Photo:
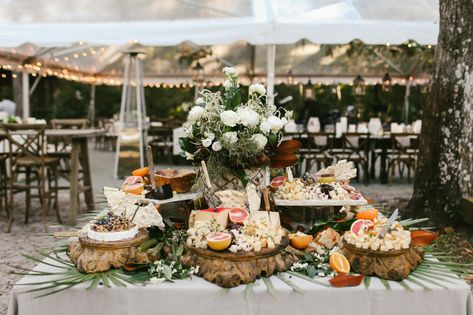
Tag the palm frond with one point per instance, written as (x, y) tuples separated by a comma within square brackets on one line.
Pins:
[(403, 284), (367, 281), (249, 290), (419, 283), (288, 282), (269, 285), (307, 278), (386, 283)]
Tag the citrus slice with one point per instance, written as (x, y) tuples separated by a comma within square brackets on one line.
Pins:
[(238, 215), (370, 214), (134, 188), (219, 241), (133, 180), (359, 225), (142, 172), (339, 263), (300, 240), (278, 181)]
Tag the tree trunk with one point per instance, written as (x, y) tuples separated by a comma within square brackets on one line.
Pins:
[(445, 167)]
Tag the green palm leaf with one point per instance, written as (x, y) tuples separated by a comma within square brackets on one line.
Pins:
[(249, 290), (403, 284), (367, 281), (427, 279), (269, 286), (307, 278), (420, 284), (289, 283), (386, 283)]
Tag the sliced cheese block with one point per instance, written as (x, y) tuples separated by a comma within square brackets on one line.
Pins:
[(275, 221), (221, 218)]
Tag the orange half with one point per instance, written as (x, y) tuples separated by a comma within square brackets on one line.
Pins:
[(339, 263)]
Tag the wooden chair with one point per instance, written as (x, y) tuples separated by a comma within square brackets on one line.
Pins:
[(355, 148), (320, 144), (402, 155), (27, 156)]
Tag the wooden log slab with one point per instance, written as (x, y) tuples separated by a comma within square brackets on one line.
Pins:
[(392, 265), (229, 270), (92, 256)]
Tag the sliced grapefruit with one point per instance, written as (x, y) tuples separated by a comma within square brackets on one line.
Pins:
[(300, 240), (277, 181), (339, 263), (359, 225), (219, 241), (142, 172), (238, 215), (370, 214), (133, 180), (136, 189)]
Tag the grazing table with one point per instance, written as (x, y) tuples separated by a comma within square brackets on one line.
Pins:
[(198, 296)]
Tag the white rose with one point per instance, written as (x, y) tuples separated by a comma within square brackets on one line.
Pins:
[(195, 113), (265, 127), (248, 117), (207, 142), (229, 118), (230, 71), (189, 156), (227, 84), (257, 88), (217, 146), (260, 140), (276, 123), (230, 137), (199, 101), (284, 120)]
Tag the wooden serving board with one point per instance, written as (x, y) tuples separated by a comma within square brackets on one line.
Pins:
[(320, 203), (228, 269), (391, 265)]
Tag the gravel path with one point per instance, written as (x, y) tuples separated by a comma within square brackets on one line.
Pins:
[(24, 238)]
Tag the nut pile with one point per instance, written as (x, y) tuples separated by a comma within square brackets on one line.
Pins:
[(111, 223)]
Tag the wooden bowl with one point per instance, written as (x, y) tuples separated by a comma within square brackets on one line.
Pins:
[(180, 180)]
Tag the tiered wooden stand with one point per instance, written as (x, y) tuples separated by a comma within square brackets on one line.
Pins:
[(228, 269), (94, 256), (393, 265)]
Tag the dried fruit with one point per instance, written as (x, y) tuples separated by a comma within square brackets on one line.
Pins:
[(341, 281)]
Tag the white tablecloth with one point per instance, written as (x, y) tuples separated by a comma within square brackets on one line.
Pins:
[(197, 296)]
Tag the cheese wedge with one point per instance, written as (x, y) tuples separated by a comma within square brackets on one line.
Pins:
[(221, 218), (275, 221)]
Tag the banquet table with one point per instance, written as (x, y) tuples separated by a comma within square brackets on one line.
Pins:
[(196, 296), (78, 138)]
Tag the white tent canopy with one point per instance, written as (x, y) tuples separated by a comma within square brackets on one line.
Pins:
[(56, 23)]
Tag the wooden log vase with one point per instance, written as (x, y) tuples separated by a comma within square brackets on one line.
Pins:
[(229, 270), (92, 256), (392, 265)]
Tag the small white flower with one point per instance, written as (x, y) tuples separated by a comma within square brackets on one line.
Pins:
[(199, 101), (227, 84), (207, 142), (257, 88), (230, 72), (229, 118), (276, 123), (260, 140), (217, 146), (265, 127), (189, 156), (230, 137), (209, 135), (248, 117), (195, 113), (189, 131)]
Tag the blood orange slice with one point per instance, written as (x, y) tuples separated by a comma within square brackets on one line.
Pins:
[(278, 181), (219, 240), (238, 215), (359, 225)]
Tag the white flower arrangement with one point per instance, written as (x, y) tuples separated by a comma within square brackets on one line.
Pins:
[(243, 134)]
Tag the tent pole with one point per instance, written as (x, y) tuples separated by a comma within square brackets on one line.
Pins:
[(271, 64), (25, 95), (92, 105)]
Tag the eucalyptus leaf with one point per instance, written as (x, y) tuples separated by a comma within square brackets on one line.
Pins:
[(367, 281)]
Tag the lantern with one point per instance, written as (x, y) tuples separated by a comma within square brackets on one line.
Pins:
[(359, 88), (309, 90), (386, 85)]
